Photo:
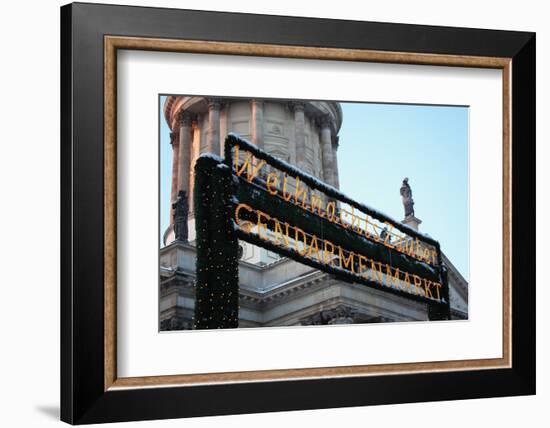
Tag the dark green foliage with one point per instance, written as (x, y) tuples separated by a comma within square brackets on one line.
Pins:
[(217, 287), (441, 311)]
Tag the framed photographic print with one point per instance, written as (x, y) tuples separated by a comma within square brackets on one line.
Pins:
[(265, 213)]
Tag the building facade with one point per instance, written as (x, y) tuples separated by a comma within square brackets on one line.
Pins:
[(274, 290)]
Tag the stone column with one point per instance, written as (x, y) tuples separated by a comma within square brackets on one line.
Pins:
[(335, 145), (184, 151), (326, 147), (194, 154), (257, 114), (213, 133), (174, 141), (299, 133)]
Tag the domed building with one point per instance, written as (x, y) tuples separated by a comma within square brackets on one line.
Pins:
[(274, 290)]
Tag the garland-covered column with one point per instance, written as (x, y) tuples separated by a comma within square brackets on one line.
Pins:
[(441, 311), (217, 268)]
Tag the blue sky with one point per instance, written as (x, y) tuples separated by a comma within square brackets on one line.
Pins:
[(380, 144)]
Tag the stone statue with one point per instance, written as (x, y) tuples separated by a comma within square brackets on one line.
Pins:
[(385, 235), (406, 196), (181, 212)]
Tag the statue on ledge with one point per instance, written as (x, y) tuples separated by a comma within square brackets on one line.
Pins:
[(181, 212), (406, 196)]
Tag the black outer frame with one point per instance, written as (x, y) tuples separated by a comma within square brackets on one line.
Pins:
[(83, 399)]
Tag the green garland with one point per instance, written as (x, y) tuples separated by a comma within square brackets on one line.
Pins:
[(217, 287)]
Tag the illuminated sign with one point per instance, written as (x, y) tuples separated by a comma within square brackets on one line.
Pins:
[(279, 207)]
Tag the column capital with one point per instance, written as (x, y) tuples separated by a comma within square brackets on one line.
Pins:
[(257, 102), (213, 103), (296, 105), (324, 121), (185, 118)]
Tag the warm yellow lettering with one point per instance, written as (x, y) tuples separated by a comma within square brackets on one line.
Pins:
[(330, 209), (417, 284), (316, 202), (389, 233), (437, 288), (325, 251), (298, 231), (398, 244), (409, 247), (300, 192), (428, 288), (376, 270), (407, 281), (365, 231), (346, 263), (392, 280), (262, 225), (313, 246), (344, 224), (355, 222), (362, 266), (251, 172), (279, 233), (426, 255), (245, 225), (286, 195), (271, 183)]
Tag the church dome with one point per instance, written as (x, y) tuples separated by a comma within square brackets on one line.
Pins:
[(277, 126), (302, 133)]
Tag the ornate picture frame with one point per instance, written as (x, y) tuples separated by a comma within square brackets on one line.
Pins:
[(91, 390)]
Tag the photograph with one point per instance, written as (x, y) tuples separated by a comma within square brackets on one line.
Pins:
[(293, 212), (269, 213)]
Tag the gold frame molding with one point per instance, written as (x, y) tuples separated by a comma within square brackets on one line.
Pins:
[(113, 43)]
